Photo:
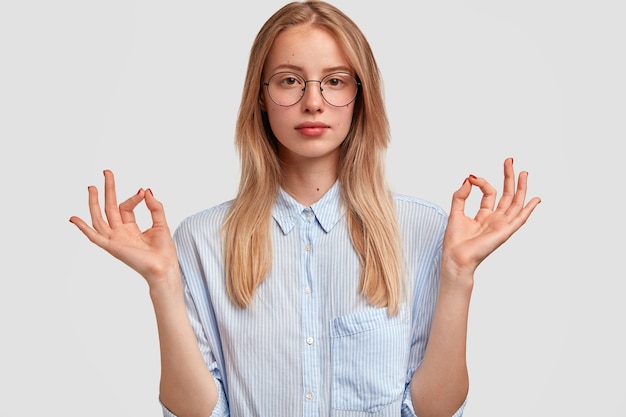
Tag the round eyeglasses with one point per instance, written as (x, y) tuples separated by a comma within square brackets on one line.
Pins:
[(287, 88)]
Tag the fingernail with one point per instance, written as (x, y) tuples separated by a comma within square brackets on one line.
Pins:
[(512, 160), (138, 191), (150, 191), (464, 181), (473, 176)]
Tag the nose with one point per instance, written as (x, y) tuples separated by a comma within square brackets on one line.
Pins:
[(312, 99)]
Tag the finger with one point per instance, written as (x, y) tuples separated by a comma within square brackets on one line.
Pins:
[(94, 210), (156, 210), (520, 194), (127, 213), (508, 192), (110, 200), (518, 211), (525, 212), (488, 200), (91, 234), (460, 197)]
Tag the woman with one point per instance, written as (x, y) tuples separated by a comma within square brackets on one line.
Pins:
[(316, 291)]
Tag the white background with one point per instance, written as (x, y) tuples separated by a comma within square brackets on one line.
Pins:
[(150, 89)]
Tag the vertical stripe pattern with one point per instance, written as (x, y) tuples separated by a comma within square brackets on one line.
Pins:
[(310, 344)]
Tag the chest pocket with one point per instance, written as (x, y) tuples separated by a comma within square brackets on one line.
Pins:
[(369, 356)]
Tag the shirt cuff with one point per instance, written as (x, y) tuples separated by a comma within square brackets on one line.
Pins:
[(221, 408), (408, 411)]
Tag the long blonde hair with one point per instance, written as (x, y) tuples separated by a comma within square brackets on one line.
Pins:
[(370, 212)]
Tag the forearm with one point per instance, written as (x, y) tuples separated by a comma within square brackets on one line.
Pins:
[(440, 384), (187, 387)]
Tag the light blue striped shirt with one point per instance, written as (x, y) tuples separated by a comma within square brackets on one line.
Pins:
[(311, 345)]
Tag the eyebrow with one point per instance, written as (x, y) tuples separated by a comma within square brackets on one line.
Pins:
[(297, 68)]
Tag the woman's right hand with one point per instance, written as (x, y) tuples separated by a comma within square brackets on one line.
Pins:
[(151, 253)]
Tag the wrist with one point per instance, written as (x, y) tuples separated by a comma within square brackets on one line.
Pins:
[(454, 278), (166, 287)]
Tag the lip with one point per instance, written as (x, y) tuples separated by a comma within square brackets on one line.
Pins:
[(312, 128)]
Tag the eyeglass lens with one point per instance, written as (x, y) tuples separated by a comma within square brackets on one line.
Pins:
[(287, 88)]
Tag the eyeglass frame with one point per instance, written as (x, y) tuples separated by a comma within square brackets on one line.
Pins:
[(356, 80)]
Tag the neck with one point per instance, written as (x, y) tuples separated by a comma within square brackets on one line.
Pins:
[(307, 183)]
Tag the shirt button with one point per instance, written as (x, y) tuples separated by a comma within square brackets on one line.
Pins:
[(307, 290), (309, 395), (309, 340), (307, 248)]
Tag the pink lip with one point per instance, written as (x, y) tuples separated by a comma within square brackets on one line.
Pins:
[(311, 128)]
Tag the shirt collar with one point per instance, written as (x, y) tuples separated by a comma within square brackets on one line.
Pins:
[(327, 210)]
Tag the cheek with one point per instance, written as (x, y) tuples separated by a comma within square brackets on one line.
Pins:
[(275, 114), (278, 119), (345, 120)]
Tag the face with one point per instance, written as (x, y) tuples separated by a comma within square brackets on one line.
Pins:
[(311, 130)]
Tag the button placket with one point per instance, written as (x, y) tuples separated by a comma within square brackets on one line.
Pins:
[(310, 351)]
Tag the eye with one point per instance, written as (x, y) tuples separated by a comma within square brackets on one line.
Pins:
[(336, 81), (288, 80)]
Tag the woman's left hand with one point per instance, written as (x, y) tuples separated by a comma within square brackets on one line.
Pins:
[(468, 241)]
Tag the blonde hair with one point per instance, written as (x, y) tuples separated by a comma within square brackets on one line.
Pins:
[(370, 212)]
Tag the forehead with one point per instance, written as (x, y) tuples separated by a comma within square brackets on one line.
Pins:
[(309, 49)]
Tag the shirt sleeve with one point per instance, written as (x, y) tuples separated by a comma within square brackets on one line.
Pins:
[(221, 408), (421, 331), (407, 408), (426, 289)]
